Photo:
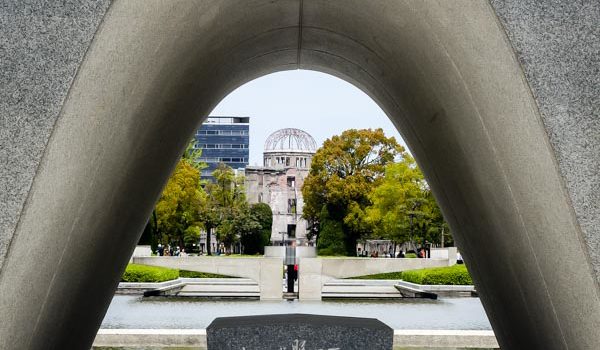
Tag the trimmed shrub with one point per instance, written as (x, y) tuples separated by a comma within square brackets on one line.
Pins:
[(195, 274), (142, 273), (450, 275), (380, 276)]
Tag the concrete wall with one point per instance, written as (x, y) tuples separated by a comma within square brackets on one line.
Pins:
[(353, 267), (267, 272), (301, 251), (313, 273), (445, 253), (141, 251), (497, 101)]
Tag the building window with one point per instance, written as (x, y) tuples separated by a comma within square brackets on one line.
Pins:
[(260, 197), (291, 230), (223, 132), (291, 181), (292, 206), (287, 161)]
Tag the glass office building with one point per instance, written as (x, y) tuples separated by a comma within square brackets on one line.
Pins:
[(224, 140)]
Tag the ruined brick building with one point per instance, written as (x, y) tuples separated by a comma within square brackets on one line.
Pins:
[(286, 161)]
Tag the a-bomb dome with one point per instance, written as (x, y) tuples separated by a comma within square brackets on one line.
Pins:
[(290, 139)]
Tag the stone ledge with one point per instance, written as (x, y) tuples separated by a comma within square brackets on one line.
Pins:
[(405, 338)]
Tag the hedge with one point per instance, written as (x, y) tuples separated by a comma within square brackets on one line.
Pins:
[(195, 274), (450, 275), (380, 276), (142, 273)]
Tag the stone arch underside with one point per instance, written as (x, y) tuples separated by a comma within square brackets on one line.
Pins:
[(444, 72)]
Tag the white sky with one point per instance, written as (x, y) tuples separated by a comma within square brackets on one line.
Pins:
[(317, 103)]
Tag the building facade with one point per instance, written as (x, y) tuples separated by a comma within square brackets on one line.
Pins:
[(223, 139), (286, 162)]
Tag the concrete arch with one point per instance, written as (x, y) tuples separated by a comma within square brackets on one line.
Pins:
[(446, 74)]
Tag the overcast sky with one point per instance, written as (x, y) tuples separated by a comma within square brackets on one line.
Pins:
[(317, 103)]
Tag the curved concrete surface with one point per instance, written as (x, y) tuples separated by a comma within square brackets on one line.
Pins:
[(445, 73)]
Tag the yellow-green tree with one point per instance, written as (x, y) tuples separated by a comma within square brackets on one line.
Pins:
[(178, 206), (343, 173), (395, 200), (403, 208)]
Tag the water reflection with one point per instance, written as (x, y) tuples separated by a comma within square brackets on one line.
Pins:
[(450, 313)]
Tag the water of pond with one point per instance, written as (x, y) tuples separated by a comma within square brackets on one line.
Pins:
[(171, 348), (445, 313)]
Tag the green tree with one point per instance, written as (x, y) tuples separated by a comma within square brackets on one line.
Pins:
[(226, 203), (331, 235), (255, 238), (403, 208), (342, 175), (395, 200), (177, 208), (431, 225), (191, 235)]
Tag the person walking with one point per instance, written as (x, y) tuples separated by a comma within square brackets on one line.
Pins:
[(160, 250)]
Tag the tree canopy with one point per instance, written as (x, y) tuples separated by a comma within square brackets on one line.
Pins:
[(394, 200), (403, 208), (343, 173), (177, 208), (226, 208), (255, 237)]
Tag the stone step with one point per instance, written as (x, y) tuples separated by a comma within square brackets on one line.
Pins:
[(362, 295), (410, 292), (219, 295), (359, 289), (218, 288), (219, 281)]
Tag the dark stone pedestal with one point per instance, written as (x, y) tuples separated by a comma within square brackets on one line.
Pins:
[(298, 332)]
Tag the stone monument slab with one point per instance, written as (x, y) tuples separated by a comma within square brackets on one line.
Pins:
[(298, 332)]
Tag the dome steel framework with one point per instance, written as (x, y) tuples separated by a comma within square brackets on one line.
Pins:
[(290, 139)]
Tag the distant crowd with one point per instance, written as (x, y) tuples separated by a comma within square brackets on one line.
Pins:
[(170, 251)]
